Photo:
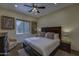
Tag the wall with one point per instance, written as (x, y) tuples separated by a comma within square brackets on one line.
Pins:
[(68, 18), (11, 33)]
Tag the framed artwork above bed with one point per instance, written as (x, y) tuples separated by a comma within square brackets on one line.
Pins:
[(7, 23)]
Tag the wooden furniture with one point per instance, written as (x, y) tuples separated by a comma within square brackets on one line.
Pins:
[(52, 29), (32, 52), (55, 30), (3, 44), (65, 46)]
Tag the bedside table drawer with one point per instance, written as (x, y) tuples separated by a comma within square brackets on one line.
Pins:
[(65, 47)]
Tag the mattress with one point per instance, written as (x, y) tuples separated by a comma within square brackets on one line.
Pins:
[(43, 45)]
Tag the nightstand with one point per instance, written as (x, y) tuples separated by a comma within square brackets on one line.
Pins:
[(65, 45)]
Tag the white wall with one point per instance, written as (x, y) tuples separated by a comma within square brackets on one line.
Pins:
[(11, 33), (68, 18)]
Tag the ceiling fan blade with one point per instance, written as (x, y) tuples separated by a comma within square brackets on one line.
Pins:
[(30, 10), (41, 7), (28, 6), (38, 11)]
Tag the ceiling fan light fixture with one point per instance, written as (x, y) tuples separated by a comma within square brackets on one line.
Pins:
[(16, 5), (34, 10)]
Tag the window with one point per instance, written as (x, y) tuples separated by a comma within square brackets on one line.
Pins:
[(22, 27)]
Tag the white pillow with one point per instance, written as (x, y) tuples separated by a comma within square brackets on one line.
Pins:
[(49, 35), (56, 36)]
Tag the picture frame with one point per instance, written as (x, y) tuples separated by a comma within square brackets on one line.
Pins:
[(7, 23)]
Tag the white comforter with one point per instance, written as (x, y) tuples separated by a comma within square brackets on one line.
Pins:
[(43, 45)]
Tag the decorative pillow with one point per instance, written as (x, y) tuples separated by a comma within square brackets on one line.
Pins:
[(49, 35)]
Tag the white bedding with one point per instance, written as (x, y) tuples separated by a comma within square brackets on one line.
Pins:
[(43, 45)]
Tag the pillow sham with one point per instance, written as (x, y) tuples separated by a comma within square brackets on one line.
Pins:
[(56, 36), (49, 35)]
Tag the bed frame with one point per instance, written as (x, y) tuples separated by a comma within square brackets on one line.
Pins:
[(52, 29), (33, 52)]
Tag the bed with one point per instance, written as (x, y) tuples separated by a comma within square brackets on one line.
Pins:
[(42, 45)]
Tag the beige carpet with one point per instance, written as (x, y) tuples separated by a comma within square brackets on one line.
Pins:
[(63, 53), (14, 51), (58, 53), (22, 52), (19, 51)]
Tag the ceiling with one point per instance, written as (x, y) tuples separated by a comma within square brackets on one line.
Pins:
[(50, 7)]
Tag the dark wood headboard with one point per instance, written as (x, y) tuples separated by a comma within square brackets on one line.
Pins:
[(52, 29)]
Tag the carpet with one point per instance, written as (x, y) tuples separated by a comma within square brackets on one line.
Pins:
[(22, 52)]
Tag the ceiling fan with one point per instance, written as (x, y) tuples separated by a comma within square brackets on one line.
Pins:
[(35, 8)]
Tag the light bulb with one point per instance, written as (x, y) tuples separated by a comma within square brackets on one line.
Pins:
[(16, 5), (34, 9)]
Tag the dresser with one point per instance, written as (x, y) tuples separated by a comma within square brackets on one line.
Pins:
[(3, 44)]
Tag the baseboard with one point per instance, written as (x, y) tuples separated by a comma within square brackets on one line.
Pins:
[(75, 52)]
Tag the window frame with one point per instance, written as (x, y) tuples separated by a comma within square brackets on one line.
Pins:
[(24, 25)]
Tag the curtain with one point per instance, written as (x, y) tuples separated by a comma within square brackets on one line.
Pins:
[(33, 27)]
